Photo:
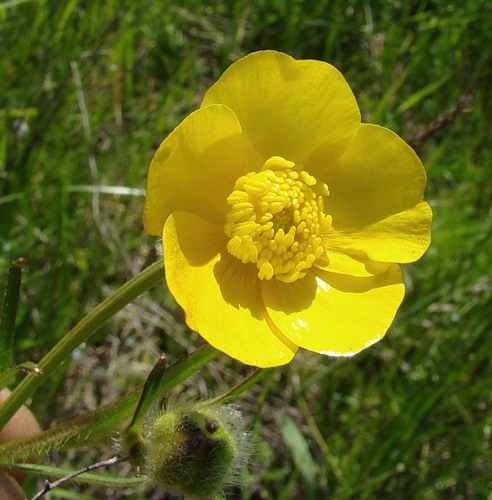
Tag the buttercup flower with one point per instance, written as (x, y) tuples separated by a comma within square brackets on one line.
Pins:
[(283, 217)]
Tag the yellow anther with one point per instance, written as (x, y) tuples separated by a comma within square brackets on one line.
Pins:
[(277, 163), (266, 271)]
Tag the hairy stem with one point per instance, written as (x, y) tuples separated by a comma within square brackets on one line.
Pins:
[(79, 334), (104, 423)]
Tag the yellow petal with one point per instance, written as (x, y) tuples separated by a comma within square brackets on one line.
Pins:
[(195, 168), (334, 314), (219, 294), (402, 237), (287, 107), (354, 266), (376, 191)]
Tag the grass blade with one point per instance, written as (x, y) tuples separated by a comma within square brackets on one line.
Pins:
[(299, 449), (9, 312)]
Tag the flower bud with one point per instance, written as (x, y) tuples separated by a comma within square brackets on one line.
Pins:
[(194, 450)]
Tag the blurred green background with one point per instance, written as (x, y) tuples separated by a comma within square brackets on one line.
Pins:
[(89, 89)]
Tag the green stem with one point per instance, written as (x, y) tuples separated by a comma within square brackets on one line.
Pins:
[(104, 423), (88, 478), (255, 376), (79, 334)]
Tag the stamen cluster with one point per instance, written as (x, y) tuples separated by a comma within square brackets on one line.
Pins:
[(277, 220)]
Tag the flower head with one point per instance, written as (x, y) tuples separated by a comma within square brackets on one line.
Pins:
[(283, 217)]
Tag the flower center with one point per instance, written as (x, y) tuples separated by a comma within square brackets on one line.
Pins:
[(276, 220)]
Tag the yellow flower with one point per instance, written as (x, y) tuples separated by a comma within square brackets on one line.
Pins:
[(283, 217)]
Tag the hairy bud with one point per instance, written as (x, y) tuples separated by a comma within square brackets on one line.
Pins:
[(195, 449)]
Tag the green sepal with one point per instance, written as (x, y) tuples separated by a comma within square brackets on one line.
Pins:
[(133, 444)]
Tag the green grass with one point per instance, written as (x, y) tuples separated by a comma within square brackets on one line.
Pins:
[(408, 418)]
